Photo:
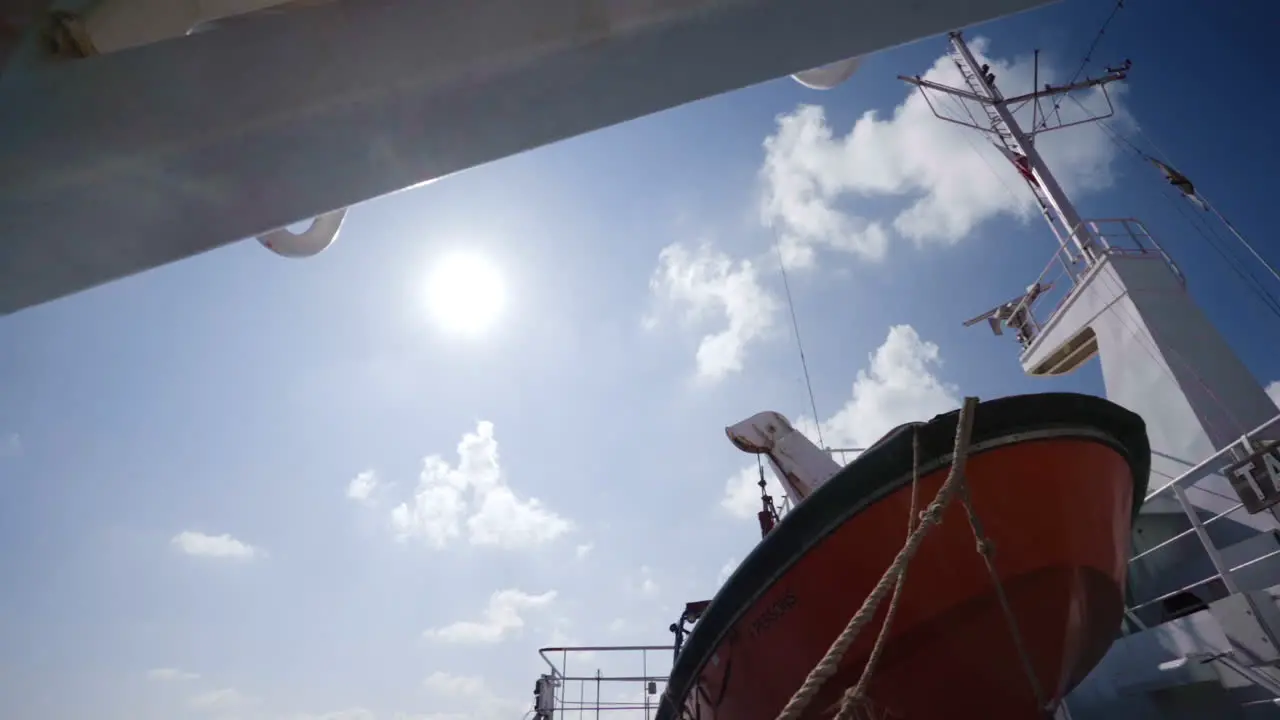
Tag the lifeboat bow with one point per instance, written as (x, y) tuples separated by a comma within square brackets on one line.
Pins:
[(1052, 482)]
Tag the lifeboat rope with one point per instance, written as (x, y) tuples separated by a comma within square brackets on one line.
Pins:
[(854, 697), (987, 550), (828, 665)]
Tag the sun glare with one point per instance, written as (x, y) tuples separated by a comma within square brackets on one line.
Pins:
[(465, 293)]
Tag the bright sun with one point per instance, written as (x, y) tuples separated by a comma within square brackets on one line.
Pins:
[(465, 293)]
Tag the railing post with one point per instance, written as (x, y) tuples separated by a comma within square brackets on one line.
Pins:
[(1224, 571)]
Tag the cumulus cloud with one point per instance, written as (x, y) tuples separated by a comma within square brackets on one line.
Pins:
[(725, 571), (648, 585), (450, 685), (702, 284), (214, 546), (951, 178), (898, 385), (502, 617), (362, 486), (222, 702), (474, 497), (170, 675), (742, 491)]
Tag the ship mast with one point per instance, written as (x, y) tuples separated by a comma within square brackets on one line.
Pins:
[(1124, 300), (1076, 241)]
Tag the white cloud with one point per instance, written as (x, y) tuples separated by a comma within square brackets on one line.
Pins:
[(725, 571), (813, 177), (348, 714), (170, 675), (705, 282), (486, 706), (648, 585), (225, 700), (502, 617), (10, 445), (218, 546), (1273, 390), (474, 495), (450, 685), (897, 386), (583, 550), (362, 486), (742, 491)]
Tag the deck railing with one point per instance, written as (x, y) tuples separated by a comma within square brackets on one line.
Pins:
[(1067, 268), (1244, 446), (618, 680)]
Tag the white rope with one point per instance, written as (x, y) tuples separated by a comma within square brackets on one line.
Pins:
[(854, 696), (835, 654)]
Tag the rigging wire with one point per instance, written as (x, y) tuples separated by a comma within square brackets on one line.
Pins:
[(795, 326), (1205, 230), (1088, 56), (1213, 240), (1167, 162), (1133, 330), (1239, 236)]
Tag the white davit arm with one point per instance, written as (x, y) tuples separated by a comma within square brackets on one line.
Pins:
[(801, 466)]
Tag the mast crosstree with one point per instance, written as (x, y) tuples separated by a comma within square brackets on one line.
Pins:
[(1075, 238), (1124, 300)]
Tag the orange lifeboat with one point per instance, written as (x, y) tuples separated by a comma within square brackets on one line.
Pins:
[(1053, 479)]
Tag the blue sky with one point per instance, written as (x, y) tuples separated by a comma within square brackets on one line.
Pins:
[(177, 449)]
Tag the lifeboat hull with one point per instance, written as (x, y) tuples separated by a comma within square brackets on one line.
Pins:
[(1053, 479)]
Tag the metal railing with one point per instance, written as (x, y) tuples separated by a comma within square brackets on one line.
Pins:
[(612, 679), (1214, 464), (1105, 237)]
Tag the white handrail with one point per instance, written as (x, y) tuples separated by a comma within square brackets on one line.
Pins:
[(1214, 463)]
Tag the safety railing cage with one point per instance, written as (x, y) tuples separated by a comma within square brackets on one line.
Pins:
[(606, 682)]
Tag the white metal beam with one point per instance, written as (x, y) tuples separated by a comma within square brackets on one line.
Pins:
[(122, 162)]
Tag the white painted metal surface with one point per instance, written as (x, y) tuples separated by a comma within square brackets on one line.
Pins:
[(829, 76), (114, 25), (800, 465), (163, 151), (1163, 359), (318, 236), (1017, 141)]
